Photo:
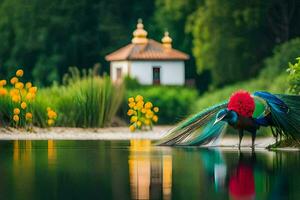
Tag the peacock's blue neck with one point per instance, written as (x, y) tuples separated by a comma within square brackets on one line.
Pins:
[(233, 119)]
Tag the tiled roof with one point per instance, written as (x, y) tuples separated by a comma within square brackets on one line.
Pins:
[(152, 50)]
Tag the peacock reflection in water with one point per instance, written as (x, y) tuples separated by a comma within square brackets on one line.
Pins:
[(157, 174), (140, 170), (248, 178)]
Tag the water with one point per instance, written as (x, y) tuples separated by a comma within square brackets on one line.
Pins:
[(137, 170)]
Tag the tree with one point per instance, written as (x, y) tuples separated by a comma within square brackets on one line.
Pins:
[(46, 37), (231, 38), (228, 37)]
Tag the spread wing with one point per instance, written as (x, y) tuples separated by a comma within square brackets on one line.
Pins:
[(284, 113), (196, 130)]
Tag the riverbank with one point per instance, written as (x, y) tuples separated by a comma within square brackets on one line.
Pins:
[(121, 133), (61, 133)]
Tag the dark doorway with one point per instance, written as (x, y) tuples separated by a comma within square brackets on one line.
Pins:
[(156, 75)]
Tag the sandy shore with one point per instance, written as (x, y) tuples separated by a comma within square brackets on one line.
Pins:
[(117, 133), (58, 133)]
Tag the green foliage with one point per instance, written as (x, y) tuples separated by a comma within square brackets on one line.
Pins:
[(6, 110), (282, 54), (276, 85), (175, 103), (232, 38), (46, 37), (131, 83), (228, 39), (294, 77), (84, 101), (224, 33)]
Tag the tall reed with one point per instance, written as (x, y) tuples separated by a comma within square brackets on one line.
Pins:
[(85, 99)]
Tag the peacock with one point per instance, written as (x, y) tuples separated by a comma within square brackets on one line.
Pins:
[(244, 112)]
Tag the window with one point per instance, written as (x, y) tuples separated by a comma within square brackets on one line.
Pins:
[(156, 75), (119, 74)]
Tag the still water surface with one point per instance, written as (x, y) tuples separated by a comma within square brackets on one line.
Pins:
[(136, 170)]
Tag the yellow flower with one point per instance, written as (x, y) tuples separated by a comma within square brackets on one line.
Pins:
[(147, 122), (143, 110), (33, 89), (28, 85), (131, 105), (19, 73), (131, 99), (3, 91), (140, 105), (16, 118), (156, 109), (14, 80), (19, 85), (130, 112), (50, 122), (16, 98), (23, 105), (52, 114), (133, 119), (139, 98), (14, 92), (28, 116), (132, 128), (2, 83), (139, 123), (30, 96), (16, 111), (148, 105), (149, 114), (23, 92), (155, 118)]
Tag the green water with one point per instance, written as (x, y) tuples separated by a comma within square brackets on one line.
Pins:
[(136, 170)]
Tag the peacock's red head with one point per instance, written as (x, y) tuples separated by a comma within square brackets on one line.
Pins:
[(242, 102)]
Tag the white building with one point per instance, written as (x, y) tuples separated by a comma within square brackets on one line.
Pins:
[(149, 61)]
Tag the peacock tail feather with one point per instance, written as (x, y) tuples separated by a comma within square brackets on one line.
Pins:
[(196, 130), (280, 112), (285, 112)]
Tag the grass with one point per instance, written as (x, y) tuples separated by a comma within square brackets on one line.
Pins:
[(91, 101)]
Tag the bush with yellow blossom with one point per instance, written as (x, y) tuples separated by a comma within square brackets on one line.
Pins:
[(51, 114), (21, 98), (142, 114)]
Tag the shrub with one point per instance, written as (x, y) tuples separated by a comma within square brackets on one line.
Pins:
[(85, 100), (175, 103), (17, 100), (142, 115), (279, 85), (294, 77), (282, 54)]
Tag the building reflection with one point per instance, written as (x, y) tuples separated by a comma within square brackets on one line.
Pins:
[(51, 153), (150, 173)]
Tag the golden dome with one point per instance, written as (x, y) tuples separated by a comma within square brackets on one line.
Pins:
[(139, 35), (167, 40)]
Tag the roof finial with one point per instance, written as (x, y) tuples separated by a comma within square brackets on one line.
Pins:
[(167, 40), (139, 35)]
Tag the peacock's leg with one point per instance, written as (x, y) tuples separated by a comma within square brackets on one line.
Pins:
[(241, 134), (253, 138)]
